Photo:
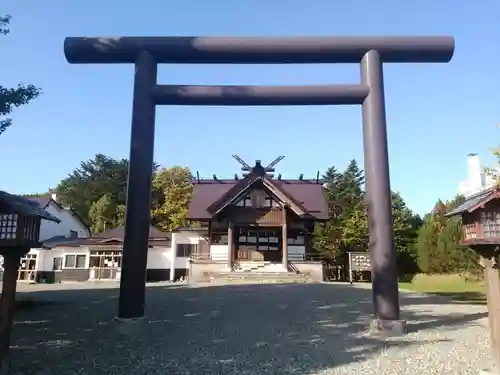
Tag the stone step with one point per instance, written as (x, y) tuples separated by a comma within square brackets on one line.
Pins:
[(256, 277), (223, 281), (256, 274), (249, 263)]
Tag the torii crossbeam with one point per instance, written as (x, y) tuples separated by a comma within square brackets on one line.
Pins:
[(371, 52)]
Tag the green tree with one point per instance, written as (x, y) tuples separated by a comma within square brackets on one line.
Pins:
[(438, 248), (354, 219), (352, 183), (347, 229), (354, 225), (172, 188), (327, 240), (427, 246), (431, 259), (333, 180), (95, 178), (4, 24), (455, 202), (327, 237), (11, 98), (495, 171), (405, 228), (106, 214)]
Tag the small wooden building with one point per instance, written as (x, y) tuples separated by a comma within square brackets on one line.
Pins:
[(20, 221), (480, 218), (481, 231)]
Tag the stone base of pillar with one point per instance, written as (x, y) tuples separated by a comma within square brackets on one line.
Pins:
[(387, 327), (132, 326)]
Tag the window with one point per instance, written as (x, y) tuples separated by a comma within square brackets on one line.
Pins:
[(267, 202), (185, 250), (57, 263), (8, 226), (75, 261), (491, 224), (244, 202), (261, 239), (105, 259)]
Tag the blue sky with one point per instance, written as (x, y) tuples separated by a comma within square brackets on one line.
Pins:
[(436, 113)]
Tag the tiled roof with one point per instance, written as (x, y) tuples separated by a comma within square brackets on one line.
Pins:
[(119, 233), (308, 193), (25, 206), (43, 201), (56, 240), (156, 237), (472, 201)]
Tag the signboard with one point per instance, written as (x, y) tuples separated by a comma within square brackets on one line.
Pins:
[(358, 262)]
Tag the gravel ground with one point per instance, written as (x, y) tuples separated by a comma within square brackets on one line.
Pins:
[(243, 329)]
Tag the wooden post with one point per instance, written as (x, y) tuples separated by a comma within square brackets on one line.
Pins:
[(284, 237), (173, 256), (209, 235), (8, 300), (492, 280), (350, 268), (230, 246), (307, 243)]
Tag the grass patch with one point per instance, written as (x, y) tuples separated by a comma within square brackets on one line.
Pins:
[(454, 286)]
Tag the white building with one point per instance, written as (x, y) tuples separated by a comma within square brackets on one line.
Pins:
[(70, 253), (70, 227), (99, 258), (477, 180)]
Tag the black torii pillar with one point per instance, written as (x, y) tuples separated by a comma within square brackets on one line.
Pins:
[(370, 52)]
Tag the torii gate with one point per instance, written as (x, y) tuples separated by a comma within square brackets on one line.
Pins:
[(371, 52)]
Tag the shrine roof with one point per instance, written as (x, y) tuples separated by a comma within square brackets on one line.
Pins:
[(474, 201), (24, 206)]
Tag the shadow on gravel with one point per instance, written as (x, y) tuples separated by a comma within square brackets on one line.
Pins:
[(468, 298), (239, 329)]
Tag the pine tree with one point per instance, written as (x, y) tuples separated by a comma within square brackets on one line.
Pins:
[(347, 229), (405, 229), (427, 246), (439, 250)]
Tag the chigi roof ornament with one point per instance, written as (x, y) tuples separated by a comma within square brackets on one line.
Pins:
[(269, 170)]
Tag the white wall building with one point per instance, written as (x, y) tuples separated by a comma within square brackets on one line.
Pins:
[(477, 180), (99, 258), (70, 227)]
